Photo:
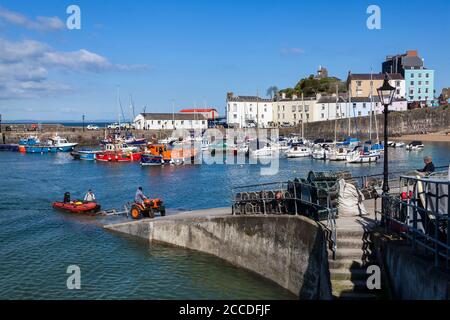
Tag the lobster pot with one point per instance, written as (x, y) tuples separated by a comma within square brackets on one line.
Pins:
[(324, 185)]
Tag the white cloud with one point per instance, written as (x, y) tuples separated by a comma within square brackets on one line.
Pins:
[(292, 51), (39, 24), (25, 65)]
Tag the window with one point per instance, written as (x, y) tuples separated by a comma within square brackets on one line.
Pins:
[(364, 105), (412, 83), (294, 108), (323, 115), (283, 108), (235, 116), (427, 75), (411, 91), (262, 116), (419, 90), (235, 107), (426, 90), (427, 82), (412, 75), (203, 122), (295, 116), (354, 105), (398, 91), (420, 75), (397, 83), (265, 109), (250, 110), (358, 83), (420, 83), (323, 107), (159, 122), (182, 122)]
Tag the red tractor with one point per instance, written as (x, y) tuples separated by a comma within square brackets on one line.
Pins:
[(147, 209)]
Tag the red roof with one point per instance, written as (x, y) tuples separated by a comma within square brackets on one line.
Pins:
[(198, 110)]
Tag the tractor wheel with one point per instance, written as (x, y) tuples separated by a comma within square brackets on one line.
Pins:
[(151, 213), (135, 212)]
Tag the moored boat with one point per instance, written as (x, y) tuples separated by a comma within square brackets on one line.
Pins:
[(415, 145), (88, 155), (297, 150), (56, 143), (77, 206), (362, 155), (115, 153)]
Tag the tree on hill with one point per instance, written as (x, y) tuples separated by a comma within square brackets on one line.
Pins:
[(272, 91), (311, 86)]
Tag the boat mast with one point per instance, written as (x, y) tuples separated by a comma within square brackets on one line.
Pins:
[(349, 110), (335, 116), (303, 117), (118, 106), (371, 104)]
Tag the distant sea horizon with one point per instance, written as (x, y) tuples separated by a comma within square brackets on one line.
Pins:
[(100, 123)]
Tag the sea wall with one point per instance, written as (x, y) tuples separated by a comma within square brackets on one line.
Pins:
[(400, 123), (410, 275), (289, 250)]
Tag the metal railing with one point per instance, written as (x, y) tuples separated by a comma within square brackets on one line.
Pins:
[(421, 213), (292, 197)]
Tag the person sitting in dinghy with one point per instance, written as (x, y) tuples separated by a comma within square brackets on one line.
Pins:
[(89, 197), (139, 197)]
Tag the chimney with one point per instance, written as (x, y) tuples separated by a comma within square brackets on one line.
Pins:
[(412, 53), (229, 95), (283, 95)]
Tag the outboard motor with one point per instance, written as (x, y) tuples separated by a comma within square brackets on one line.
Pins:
[(67, 197)]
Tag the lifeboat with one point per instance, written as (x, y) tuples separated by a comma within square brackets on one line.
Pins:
[(77, 206)]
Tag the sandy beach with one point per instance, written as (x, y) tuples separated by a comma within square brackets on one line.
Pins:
[(435, 137)]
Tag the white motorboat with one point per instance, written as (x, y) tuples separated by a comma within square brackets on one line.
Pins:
[(321, 152), (361, 155), (415, 145), (298, 150), (61, 144), (398, 145), (338, 154), (266, 151)]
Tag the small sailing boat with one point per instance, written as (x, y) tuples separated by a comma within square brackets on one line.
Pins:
[(298, 150)]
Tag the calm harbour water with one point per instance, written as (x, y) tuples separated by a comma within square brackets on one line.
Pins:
[(37, 243)]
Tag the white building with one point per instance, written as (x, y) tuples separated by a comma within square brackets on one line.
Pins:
[(327, 108), (170, 121), (247, 111)]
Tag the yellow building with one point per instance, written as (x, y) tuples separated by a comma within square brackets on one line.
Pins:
[(363, 84)]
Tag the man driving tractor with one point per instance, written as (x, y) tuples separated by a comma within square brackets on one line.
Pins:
[(144, 207), (139, 197)]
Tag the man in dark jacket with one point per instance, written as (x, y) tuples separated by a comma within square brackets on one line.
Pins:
[(429, 166)]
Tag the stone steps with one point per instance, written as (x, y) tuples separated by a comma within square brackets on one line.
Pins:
[(348, 274), (348, 271)]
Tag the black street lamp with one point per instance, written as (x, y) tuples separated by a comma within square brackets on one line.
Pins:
[(386, 95), (83, 121)]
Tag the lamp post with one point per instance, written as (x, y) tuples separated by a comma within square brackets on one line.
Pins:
[(386, 95), (83, 116)]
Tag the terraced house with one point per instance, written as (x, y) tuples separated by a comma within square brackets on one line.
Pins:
[(419, 81), (249, 111), (292, 111)]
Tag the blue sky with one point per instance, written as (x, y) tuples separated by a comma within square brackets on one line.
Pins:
[(194, 51)]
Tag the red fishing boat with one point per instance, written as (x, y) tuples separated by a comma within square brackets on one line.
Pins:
[(77, 206), (118, 153)]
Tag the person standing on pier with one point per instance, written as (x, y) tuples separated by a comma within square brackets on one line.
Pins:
[(429, 166)]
